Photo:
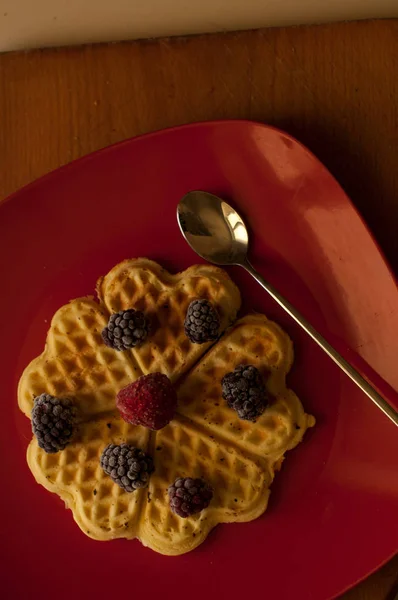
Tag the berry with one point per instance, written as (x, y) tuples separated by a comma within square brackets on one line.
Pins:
[(52, 422), (189, 496), (128, 466), (150, 401), (201, 322), (244, 391), (125, 329)]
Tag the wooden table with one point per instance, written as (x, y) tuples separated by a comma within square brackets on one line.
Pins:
[(334, 87)]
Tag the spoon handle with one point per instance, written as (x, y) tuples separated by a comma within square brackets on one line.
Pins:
[(345, 366)]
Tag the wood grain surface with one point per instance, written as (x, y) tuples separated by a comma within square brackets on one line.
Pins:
[(334, 87)]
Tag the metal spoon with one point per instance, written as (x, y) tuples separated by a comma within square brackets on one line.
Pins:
[(216, 232)]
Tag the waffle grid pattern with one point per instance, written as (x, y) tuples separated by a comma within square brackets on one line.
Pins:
[(76, 363), (101, 508), (164, 299)]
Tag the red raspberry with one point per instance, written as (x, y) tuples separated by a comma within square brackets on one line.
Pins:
[(150, 401)]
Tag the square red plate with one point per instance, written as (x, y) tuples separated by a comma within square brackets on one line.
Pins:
[(332, 518)]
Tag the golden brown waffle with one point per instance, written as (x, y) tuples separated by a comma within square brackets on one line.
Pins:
[(257, 341), (101, 508), (205, 439), (76, 362), (240, 482), (164, 299)]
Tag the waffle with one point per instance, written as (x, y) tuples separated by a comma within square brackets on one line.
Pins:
[(206, 439), (240, 483), (164, 299), (102, 509), (257, 341), (76, 362)]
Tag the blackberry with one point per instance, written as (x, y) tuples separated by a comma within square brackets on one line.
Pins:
[(189, 496), (52, 422), (125, 329), (244, 391), (201, 322), (128, 466)]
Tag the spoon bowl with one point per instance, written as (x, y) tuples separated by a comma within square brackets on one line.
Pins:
[(213, 228)]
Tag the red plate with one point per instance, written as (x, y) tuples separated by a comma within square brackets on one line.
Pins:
[(332, 518)]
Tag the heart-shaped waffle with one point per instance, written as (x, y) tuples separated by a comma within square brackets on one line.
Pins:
[(101, 508), (206, 439), (164, 299), (76, 363), (257, 341)]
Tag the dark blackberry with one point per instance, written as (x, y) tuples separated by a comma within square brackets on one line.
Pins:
[(128, 466), (244, 391), (125, 329), (201, 322), (189, 496), (52, 422)]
